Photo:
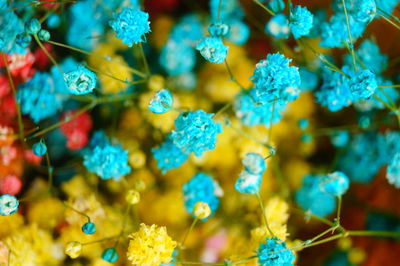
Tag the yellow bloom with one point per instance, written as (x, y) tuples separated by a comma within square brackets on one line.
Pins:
[(150, 246), (46, 213), (9, 224)]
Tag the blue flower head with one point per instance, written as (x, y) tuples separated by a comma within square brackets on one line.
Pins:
[(365, 11), (311, 198), (274, 78), (387, 5), (106, 160), (254, 163), (203, 188), (161, 102), (336, 183), (8, 204), (39, 148), (340, 138), (229, 9), (239, 32), (38, 97), (252, 113), (277, 6), (393, 171), (131, 25), (168, 156), (301, 21), (363, 84), (177, 57), (334, 92), (212, 49), (195, 132), (248, 183), (370, 55), (274, 252), (53, 21), (10, 26), (32, 26), (188, 30), (218, 29), (278, 26), (80, 81)]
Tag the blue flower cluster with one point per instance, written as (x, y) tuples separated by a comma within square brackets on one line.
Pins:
[(195, 132), (336, 183), (252, 113), (301, 21), (161, 102), (363, 84), (131, 25), (387, 5), (202, 188), (311, 198), (367, 153), (106, 160), (393, 171), (212, 49), (38, 97), (178, 55), (275, 252), (168, 156), (8, 204), (278, 26), (274, 78), (80, 81), (250, 178), (10, 26)]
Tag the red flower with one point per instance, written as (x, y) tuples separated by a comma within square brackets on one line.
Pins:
[(10, 184)]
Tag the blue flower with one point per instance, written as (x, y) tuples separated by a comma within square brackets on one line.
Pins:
[(370, 56), (239, 32), (39, 148), (161, 102), (311, 198), (110, 255), (274, 78), (254, 163), (131, 25), (309, 80), (340, 138), (218, 29), (336, 183), (188, 30), (107, 161), (229, 9), (278, 26), (365, 10), (387, 5), (38, 97), (177, 57), (363, 84), (248, 183), (303, 124), (168, 156), (53, 21), (334, 92), (10, 26), (89, 228), (32, 26), (301, 21), (195, 132), (212, 49), (202, 188), (252, 113), (274, 252), (393, 171), (276, 6), (80, 81), (8, 204)]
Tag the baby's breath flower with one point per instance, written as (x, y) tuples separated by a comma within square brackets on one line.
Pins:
[(151, 245), (80, 81), (8, 204), (132, 197), (73, 249), (201, 210), (212, 49)]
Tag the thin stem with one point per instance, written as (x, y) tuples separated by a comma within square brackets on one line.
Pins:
[(384, 103), (321, 219), (100, 240), (106, 58), (188, 232), (66, 119), (145, 63), (339, 210), (117, 79), (271, 120), (219, 10), (75, 210), (244, 260), (14, 91), (47, 53), (350, 37), (223, 109), (232, 77), (263, 214), (264, 7), (49, 168), (388, 20), (373, 233)]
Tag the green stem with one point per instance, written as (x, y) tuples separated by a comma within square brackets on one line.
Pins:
[(264, 7), (244, 260), (339, 210), (100, 240), (49, 168), (47, 53), (14, 91), (263, 214), (232, 77), (145, 63), (223, 109), (350, 37), (188, 232), (388, 20), (75, 210)]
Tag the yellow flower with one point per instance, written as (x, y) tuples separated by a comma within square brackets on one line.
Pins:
[(73, 249), (46, 213), (9, 224), (151, 245), (201, 210)]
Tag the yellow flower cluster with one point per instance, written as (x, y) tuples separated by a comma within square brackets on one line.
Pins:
[(151, 245)]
